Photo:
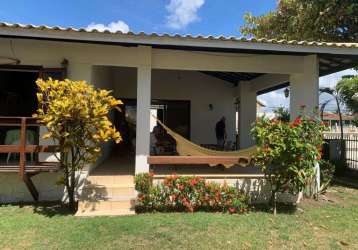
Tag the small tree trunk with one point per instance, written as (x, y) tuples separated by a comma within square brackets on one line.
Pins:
[(71, 198), (73, 187), (273, 201), (275, 204), (69, 188), (69, 181)]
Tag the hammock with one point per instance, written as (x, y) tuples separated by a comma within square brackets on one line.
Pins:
[(187, 148)]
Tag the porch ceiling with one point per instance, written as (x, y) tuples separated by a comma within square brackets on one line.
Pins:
[(328, 64), (233, 77)]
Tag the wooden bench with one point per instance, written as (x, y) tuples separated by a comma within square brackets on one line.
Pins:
[(196, 160)]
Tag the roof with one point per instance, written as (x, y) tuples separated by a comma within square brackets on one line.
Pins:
[(335, 117), (333, 56), (178, 37)]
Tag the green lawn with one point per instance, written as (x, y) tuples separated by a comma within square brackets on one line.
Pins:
[(331, 223)]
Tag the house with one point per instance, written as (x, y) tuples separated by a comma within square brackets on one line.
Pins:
[(333, 122), (189, 82)]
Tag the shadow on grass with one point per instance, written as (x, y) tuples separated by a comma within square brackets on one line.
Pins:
[(282, 208), (48, 209), (51, 210), (346, 181)]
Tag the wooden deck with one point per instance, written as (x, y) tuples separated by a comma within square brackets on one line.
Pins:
[(23, 168)]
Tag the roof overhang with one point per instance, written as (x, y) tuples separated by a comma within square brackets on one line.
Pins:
[(333, 57), (211, 43)]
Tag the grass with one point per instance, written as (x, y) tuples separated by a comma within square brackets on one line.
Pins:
[(331, 223)]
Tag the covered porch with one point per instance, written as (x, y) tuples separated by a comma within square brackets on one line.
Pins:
[(212, 85)]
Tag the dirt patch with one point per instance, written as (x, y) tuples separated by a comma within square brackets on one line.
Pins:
[(330, 197)]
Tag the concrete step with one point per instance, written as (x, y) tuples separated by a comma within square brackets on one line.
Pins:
[(105, 191), (107, 195), (124, 180), (120, 212), (91, 206)]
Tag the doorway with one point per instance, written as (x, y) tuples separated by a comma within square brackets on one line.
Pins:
[(174, 113), (18, 99)]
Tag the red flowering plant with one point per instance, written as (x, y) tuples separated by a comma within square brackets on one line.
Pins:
[(191, 194), (288, 151)]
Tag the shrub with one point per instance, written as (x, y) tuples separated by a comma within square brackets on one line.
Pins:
[(143, 182), (287, 152), (76, 116), (191, 194)]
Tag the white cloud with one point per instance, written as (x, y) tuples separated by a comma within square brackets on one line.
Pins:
[(273, 100), (112, 27), (332, 79), (183, 12)]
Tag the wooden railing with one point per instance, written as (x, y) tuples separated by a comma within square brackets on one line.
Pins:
[(26, 171), (22, 148)]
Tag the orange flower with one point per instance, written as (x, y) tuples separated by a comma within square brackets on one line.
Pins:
[(193, 182)]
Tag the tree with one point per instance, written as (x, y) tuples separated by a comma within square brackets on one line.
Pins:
[(348, 89), (319, 20), (282, 114), (76, 117)]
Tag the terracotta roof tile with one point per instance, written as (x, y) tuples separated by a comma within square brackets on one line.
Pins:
[(188, 36)]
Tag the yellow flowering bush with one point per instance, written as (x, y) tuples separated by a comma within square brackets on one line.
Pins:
[(76, 117)]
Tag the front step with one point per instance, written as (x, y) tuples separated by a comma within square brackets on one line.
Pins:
[(90, 206), (107, 195), (123, 180), (118, 212), (92, 192)]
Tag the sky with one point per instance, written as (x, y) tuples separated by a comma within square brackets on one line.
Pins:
[(204, 17)]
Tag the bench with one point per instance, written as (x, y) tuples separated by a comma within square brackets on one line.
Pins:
[(197, 160)]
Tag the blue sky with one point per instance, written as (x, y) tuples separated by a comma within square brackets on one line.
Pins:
[(205, 17), (163, 16)]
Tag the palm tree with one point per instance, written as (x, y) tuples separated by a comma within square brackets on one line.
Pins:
[(334, 93)]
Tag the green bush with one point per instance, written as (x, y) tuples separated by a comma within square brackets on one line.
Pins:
[(190, 194), (288, 151), (143, 182)]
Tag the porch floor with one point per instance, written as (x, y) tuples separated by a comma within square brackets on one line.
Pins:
[(116, 164)]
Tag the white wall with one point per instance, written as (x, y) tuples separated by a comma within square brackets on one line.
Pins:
[(102, 79), (198, 88), (13, 189)]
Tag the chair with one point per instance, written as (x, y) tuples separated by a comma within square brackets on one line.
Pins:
[(12, 137)]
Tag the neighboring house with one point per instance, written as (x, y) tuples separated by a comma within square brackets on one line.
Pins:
[(333, 122), (188, 81)]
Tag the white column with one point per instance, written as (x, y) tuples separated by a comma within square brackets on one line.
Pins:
[(247, 114), (304, 87), (143, 109)]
